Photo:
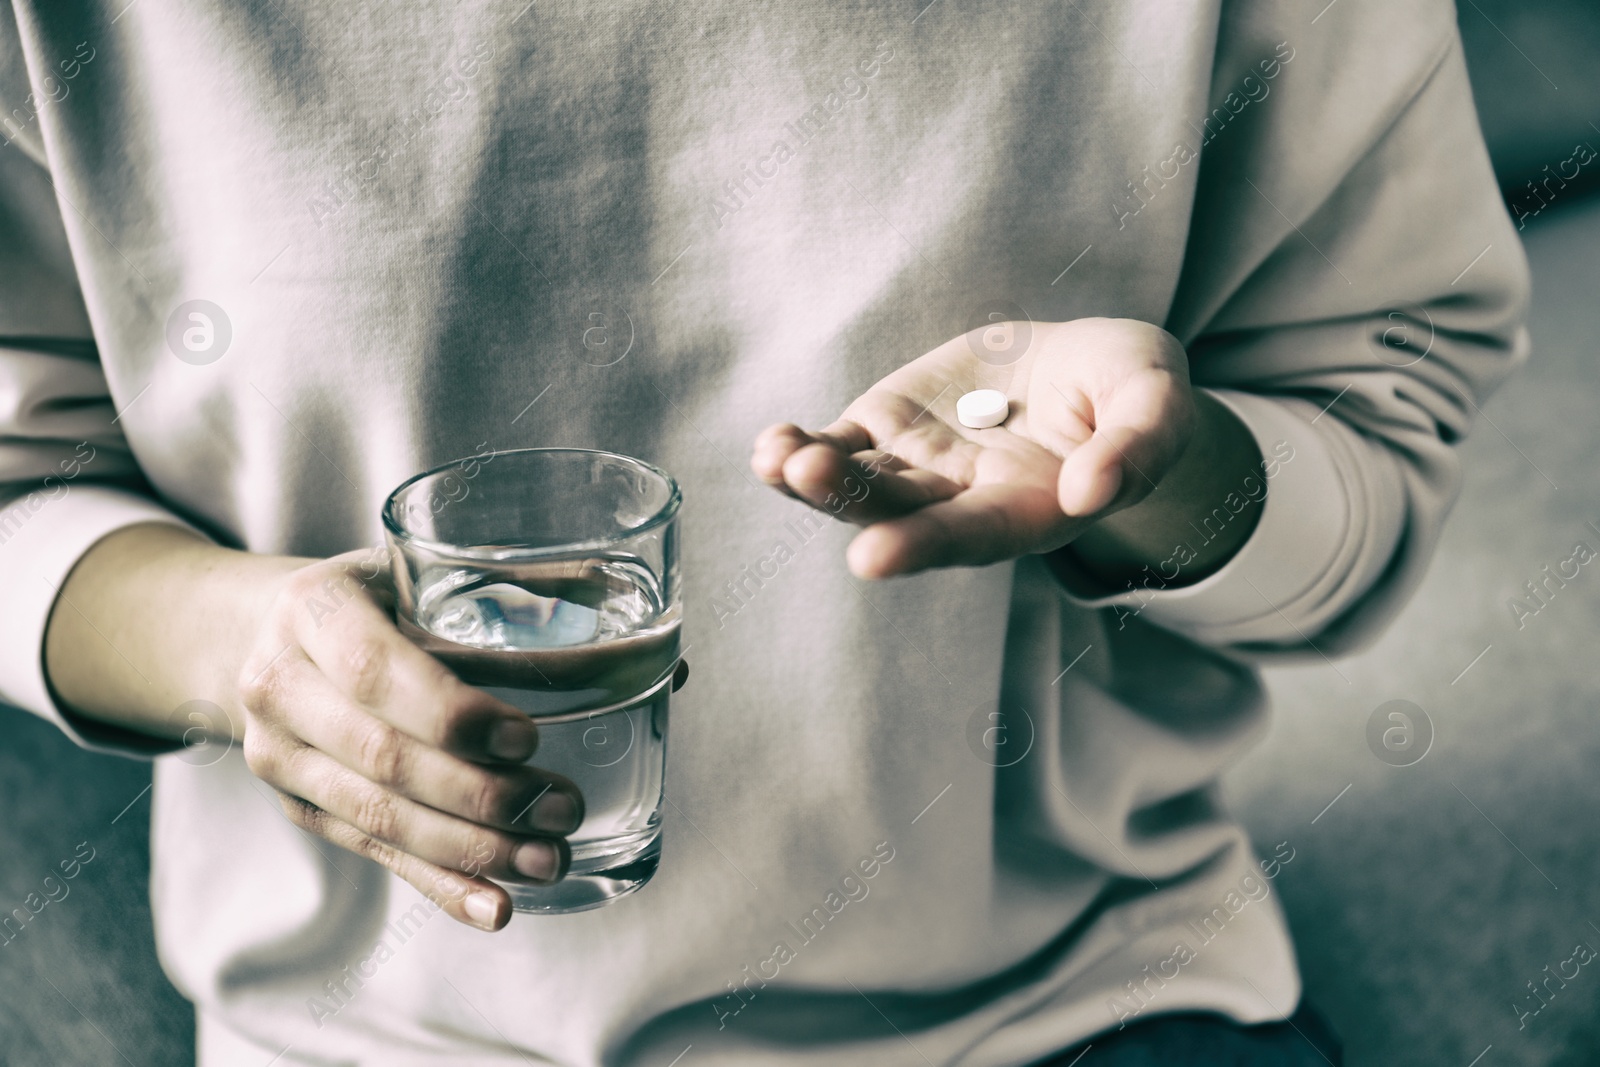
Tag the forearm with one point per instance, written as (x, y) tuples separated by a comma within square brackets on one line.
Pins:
[(1221, 455), (153, 617)]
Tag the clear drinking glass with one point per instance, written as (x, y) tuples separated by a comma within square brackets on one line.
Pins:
[(549, 578)]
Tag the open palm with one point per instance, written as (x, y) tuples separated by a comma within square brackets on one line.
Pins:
[(1100, 410)]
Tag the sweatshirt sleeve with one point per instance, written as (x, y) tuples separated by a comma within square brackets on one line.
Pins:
[(67, 476), (1353, 299)]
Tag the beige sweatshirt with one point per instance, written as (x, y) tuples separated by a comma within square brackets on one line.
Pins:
[(967, 817)]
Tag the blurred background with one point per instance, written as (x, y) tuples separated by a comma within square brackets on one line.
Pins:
[(1431, 894), (1425, 894)]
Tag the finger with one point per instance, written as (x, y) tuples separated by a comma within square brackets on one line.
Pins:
[(358, 647), (848, 489), (475, 901), (1090, 477), (982, 525), (873, 460), (393, 820), (774, 445), (1138, 435), (516, 798)]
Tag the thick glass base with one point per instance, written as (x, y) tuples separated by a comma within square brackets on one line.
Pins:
[(592, 881)]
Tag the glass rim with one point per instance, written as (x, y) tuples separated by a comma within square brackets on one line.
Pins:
[(662, 515)]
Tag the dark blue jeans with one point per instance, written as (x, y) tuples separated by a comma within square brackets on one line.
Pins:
[(1304, 1040)]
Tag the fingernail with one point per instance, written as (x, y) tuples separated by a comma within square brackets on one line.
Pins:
[(536, 860), (554, 813), (482, 909), (512, 739)]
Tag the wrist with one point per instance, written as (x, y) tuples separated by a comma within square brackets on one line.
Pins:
[(152, 617), (1178, 523)]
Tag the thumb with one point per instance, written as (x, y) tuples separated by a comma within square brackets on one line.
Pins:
[(1137, 439), (1090, 478)]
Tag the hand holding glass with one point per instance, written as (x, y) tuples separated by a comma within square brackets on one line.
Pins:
[(548, 577)]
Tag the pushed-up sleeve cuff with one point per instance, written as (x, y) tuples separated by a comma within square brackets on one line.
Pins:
[(1329, 522), (41, 540)]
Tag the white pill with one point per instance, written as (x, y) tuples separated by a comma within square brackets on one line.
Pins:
[(982, 408)]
